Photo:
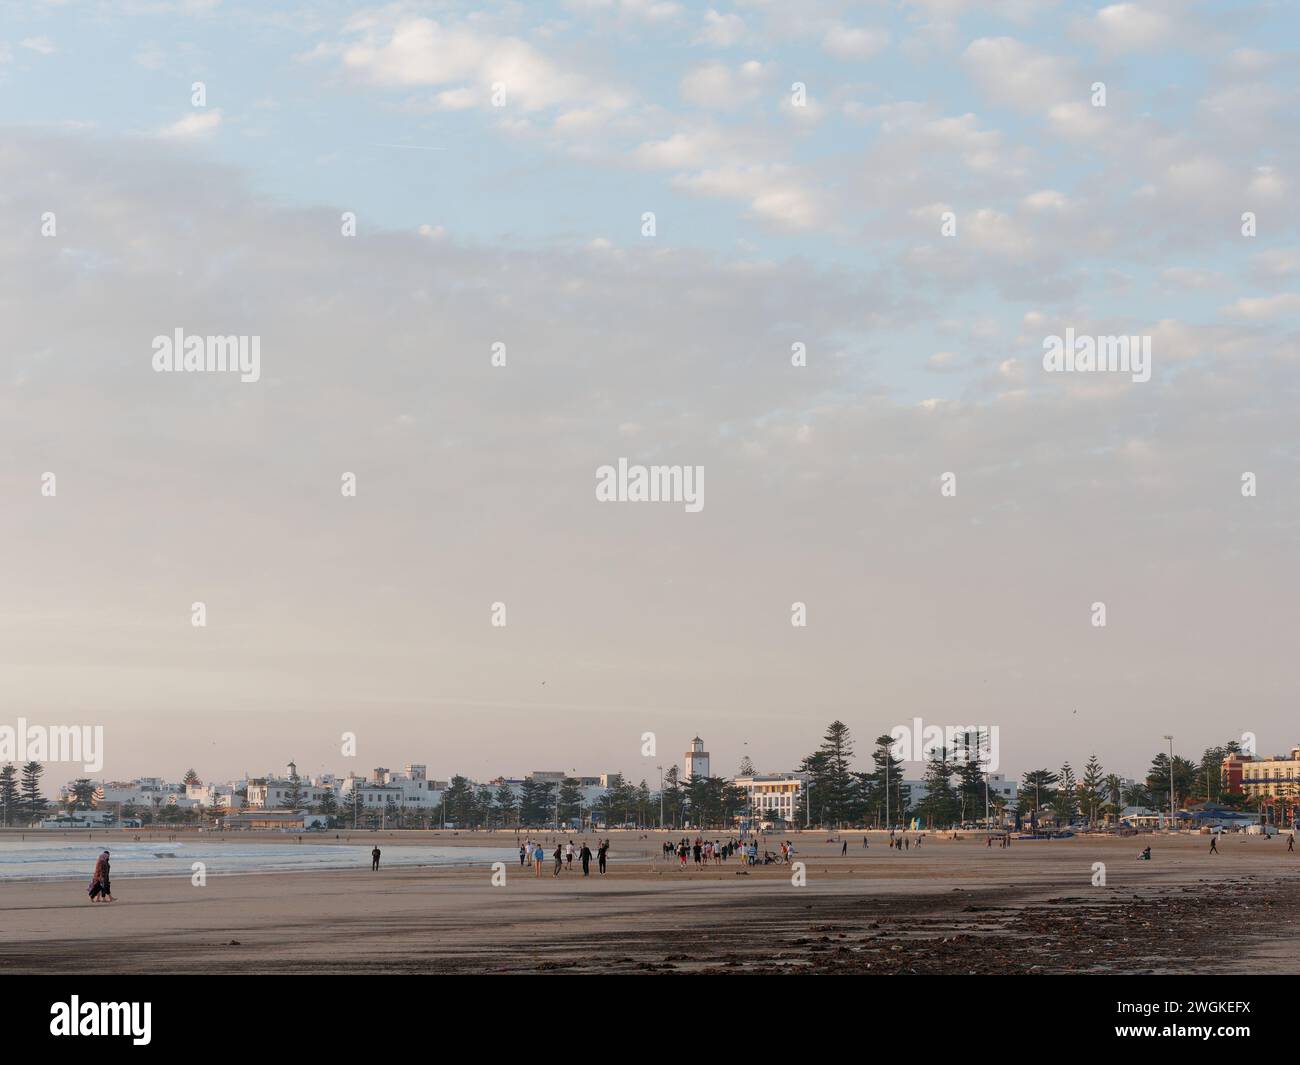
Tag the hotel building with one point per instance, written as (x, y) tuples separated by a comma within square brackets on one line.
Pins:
[(1273, 783), (773, 795)]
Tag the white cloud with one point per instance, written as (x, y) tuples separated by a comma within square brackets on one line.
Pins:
[(1020, 76), (720, 30), (723, 88), (1131, 27), (40, 45), (1263, 308), (193, 126), (855, 42), (774, 194), (415, 52)]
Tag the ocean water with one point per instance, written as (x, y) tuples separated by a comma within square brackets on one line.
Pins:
[(61, 859)]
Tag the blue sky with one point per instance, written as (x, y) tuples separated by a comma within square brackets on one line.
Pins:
[(308, 124)]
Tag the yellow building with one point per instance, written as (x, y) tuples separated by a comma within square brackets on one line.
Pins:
[(1274, 783)]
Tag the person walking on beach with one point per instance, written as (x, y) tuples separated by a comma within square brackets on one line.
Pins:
[(601, 852), (844, 849), (568, 854), (907, 843), (1290, 843), (523, 854), (539, 856), (559, 859), (585, 855), (374, 860), (1214, 844), (864, 841), (99, 881)]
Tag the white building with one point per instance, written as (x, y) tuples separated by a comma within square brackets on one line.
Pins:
[(697, 761), (773, 795), (272, 793), (410, 789)]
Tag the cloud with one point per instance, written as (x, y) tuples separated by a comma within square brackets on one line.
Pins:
[(720, 87), (775, 194), (1131, 27), (1020, 76), (855, 42), (722, 31), (193, 126), (1263, 308), (411, 52)]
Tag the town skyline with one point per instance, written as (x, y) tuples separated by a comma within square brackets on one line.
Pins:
[(342, 765)]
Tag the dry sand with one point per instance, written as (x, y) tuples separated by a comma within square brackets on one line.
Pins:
[(950, 906)]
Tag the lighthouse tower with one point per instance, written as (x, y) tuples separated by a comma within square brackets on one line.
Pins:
[(697, 760)]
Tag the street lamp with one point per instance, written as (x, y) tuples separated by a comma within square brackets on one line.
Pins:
[(1171, 782), (661, 796), (888, 755)]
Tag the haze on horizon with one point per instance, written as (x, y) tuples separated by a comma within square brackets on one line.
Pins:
[(522, 224)]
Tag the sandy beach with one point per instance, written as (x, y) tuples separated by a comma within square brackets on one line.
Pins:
[(948, 906)]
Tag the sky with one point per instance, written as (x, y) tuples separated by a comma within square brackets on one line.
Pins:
[(918, 192)]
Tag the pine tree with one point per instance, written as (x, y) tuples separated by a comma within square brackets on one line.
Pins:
[(570, 800), (460, 802), (82, 794), (1066, 805), (940, 805), (840, 801), (1091, 789), (10, 800), (505, 804), (1158, 779), (746, 767), (484, 804), (672, 797), (971, 789), (887, 768), (32, 803)]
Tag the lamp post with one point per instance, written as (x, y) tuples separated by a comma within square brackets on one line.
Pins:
[(1171, 782), (888, 746), (661, 796)]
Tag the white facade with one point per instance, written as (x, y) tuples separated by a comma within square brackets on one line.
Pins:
[(408, 790), (773, 795), (269, 793)]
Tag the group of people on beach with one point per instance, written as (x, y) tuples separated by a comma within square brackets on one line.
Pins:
[(564, 854), (715, 852)]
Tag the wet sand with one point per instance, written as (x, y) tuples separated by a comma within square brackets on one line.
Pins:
[(949, 906)]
